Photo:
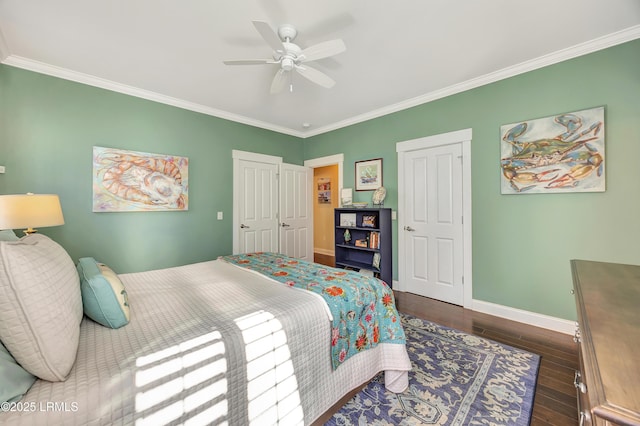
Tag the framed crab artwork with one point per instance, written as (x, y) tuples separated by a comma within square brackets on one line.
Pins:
[(560, 153)]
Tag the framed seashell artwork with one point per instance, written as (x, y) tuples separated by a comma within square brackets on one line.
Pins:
[(129, 181)]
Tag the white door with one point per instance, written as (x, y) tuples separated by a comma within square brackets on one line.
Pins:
[(296, 211), (256, 201), (432, 226)]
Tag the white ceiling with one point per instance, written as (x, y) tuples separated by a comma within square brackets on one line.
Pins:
[(399, 54)]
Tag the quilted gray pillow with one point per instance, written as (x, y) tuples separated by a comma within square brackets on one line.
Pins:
[(40, 306)]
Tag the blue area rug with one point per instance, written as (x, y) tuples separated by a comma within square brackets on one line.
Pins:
[(456, 379)]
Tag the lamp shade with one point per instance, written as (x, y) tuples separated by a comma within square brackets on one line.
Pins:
[(30, 211)]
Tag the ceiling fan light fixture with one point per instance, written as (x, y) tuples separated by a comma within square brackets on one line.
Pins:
[(290, 56), (287, 64)]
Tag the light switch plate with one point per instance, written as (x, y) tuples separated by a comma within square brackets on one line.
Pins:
[(1, 169), (219, 215)]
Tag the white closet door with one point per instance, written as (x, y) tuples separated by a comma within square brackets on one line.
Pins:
[(296, 211), (256, 202), (433, 229)]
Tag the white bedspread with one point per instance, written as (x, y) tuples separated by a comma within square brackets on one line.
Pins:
[(208, 343)]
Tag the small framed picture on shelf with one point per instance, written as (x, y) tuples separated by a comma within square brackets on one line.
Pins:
[(361, 243), (347, 219), (369, 221), (346, 197), (376, 261)]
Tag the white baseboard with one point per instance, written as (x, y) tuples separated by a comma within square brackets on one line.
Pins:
[(532, 318), (323, 251)]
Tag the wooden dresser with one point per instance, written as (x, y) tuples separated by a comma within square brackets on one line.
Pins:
[(608, 304)]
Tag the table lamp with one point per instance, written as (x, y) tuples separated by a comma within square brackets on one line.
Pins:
[(30, 211)]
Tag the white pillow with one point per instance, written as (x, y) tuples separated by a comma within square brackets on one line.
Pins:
[(40, 306)]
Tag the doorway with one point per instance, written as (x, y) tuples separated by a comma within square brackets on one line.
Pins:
[(434, 217), (327, 186), (326, 199)]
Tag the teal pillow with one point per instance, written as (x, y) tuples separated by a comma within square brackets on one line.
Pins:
[(15, 381), (104, 297), (8, 235)]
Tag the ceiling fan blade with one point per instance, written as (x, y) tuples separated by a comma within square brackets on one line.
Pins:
[(315, 76), (269, 35), (249, 62), (323, 50), (279, 81)]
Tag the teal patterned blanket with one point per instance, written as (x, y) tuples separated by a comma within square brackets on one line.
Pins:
[(363, 308)]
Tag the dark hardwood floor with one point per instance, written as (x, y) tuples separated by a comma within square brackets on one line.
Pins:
[(555, 398)]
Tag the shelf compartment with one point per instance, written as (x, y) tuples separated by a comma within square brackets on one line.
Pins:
[(353, 247), (357, 265)]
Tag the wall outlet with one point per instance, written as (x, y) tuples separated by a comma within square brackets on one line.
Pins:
[(219, 215), (1, 169), (394, 215)]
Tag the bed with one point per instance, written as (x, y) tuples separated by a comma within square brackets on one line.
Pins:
[(206, 343)]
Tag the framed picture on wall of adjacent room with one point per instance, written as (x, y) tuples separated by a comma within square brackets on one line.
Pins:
[(324, 190), (368, 174)]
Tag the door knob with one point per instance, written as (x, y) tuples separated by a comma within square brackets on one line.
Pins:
[(242, 225), (284, 224), (408, 228)]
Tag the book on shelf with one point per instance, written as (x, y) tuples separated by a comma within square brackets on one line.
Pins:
[(374, 240)]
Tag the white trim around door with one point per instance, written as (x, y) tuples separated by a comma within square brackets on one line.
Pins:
[(328, 161), (462, 137)]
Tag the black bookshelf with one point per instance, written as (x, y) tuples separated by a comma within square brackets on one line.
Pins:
[(372, 227)]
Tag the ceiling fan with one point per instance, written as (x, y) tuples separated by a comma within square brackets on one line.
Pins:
[(291, 58)]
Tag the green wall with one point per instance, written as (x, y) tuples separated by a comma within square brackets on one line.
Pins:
[(48, 127), (522, 244)]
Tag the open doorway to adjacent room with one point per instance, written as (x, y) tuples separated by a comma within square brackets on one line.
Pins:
[(326, 198), (327, 185)]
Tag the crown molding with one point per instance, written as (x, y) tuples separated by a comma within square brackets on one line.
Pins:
[(591, 46), (604, 42), (90, 80)]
